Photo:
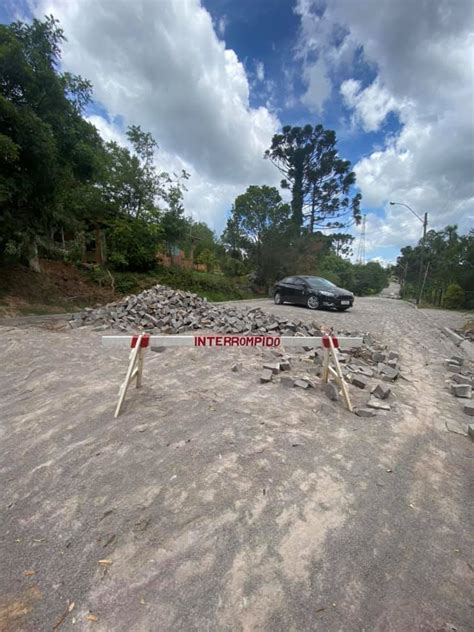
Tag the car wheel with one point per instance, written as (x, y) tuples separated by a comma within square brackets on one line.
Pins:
[(312, 302), (278, 299)]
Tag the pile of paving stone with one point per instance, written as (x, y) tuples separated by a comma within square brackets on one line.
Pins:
[(461, 381), (162, 309), (371, 368)]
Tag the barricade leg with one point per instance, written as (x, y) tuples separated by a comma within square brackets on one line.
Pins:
[(132, 372)]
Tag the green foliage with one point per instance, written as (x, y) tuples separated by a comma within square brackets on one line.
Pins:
[(320, 181), (448, 258), (133, 244), (454, 297), (260, 226)]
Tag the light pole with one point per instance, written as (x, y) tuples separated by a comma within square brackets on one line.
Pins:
[(424, 221)]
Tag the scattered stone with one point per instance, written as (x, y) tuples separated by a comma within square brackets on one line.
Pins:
[(364, 412), (381, 391), (287, 381), (452, 363), (469, 409), (236, 367), (388, 372), (358, 380), (367, 371), (458, 359), (273, 367), (461, 379), (285, 365), (266, 376), (331, 391), (470, 430), (392, 363), (461, 390), (375, 403), (301, 384), (379, 356), (393, 355)]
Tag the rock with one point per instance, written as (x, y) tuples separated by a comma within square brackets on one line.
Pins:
[(273, 367), (331, 391), (377, 404), (381, 391), (461, 379), (470, 430), (236, 367), (393, 355), (461, 390), (379, 356), (450, 363), (302, 384), (285, 365), (388, 372), (457, 358), (469, 409), (367, 371), (393, 364), (287, 381), (266, 376), (364, 412), (358, 380)]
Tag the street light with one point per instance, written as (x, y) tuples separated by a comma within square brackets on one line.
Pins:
[(424, 221)]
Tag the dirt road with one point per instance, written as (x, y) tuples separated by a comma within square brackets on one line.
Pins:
[(216, 503)]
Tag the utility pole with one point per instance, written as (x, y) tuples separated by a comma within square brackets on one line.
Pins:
[(424, 221)]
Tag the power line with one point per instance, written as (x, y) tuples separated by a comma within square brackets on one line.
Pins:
[(361, 249)]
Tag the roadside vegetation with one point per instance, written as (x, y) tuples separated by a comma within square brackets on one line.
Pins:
[(66, 194), (444, 267)]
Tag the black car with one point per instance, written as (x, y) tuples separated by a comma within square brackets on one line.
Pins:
[(314, 292)]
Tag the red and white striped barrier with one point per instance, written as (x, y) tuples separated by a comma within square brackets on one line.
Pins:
[(140, 343), (230, 341)]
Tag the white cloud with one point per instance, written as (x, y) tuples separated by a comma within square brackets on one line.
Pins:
[(422, 55), (260, 70), (162, 66), (222, 25), (319, 86), (371, 105)]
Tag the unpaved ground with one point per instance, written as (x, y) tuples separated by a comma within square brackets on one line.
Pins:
[(228, 505)]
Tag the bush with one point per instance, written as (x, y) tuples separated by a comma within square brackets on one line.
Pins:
[(454, 297), (133, 244)]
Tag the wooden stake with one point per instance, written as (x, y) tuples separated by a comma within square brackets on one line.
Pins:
[(337, 373), (135, 370)]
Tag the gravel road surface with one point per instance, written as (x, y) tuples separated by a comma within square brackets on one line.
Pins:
[(215, 503)]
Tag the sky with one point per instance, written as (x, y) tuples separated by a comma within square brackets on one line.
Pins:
[(213, 80)]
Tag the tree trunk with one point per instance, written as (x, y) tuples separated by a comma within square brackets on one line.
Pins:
[(33, 259)]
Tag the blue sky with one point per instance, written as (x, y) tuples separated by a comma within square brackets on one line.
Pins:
[(214, 80)]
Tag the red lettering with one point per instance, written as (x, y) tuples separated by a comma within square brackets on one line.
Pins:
[(277, 341), (235, 341), (259, 340), (227, 341), (199, 341), (210, 340), (218, 341)]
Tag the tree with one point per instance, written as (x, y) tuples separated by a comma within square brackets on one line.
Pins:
[(49, 149), (257, 213), (341, 244), (448, 259), (320, 181), (259, 225)]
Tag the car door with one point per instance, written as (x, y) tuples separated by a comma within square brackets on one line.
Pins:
[(285, 289), (299, 291)]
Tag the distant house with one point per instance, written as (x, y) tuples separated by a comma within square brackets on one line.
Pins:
[(177, 258)]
